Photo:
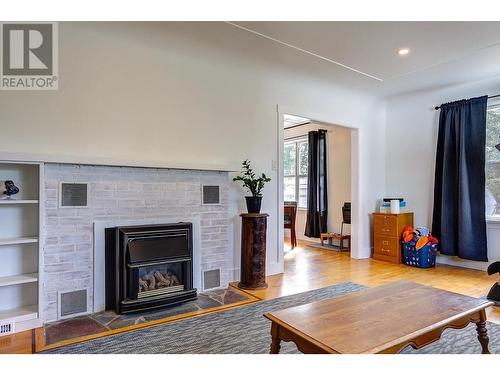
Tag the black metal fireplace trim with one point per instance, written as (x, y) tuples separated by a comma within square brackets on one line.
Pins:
[(154, 263), (130, 306), (118, 264)]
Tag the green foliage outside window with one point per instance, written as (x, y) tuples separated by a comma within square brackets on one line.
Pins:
[(289, 159)]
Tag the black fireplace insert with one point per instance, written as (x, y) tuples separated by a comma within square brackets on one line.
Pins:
[(149, 266)]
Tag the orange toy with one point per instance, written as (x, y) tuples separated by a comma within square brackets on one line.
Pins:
[(407, 236), (422, 241), (408, 228)]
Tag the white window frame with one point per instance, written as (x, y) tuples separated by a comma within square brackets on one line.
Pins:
[(296, 175), (491, 104)]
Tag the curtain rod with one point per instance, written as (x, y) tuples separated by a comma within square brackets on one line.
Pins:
[(489, 97)]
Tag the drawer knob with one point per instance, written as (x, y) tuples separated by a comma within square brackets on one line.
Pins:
[(385, 243)]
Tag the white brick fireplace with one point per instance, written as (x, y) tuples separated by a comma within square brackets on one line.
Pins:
[(124, 195)]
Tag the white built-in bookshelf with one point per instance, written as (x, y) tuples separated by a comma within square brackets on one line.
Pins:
[(20, 244)]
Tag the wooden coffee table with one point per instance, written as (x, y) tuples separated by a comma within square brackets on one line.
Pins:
[(384, 319)]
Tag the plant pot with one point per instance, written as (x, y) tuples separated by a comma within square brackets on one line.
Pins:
[(253, 204)]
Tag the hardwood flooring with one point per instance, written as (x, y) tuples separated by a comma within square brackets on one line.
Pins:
[(308, 267), (19, 343)]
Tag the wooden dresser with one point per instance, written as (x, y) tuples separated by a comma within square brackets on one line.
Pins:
[(387, 231)]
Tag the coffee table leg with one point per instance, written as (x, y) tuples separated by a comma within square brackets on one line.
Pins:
[(275, 343), (482, 333)]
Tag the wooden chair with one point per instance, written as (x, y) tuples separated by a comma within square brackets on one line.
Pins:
[(346, 217), (290, 210)]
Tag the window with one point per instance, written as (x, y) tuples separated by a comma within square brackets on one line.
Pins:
[(493, 160), (295, 171)]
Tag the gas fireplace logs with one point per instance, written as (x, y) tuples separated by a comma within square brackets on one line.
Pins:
[(156, 280)]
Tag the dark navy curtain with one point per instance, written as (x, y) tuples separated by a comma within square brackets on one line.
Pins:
[(459, 187), (317, 189)]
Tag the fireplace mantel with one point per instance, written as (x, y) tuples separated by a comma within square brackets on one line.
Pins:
[(115, 162)]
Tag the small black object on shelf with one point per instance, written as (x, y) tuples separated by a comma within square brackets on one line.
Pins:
[(10, 188), (391, 199)]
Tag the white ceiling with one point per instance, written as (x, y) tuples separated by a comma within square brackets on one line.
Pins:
[(290, 120), (441, 53)]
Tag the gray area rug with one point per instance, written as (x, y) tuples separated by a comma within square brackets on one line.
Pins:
[(243, 330)]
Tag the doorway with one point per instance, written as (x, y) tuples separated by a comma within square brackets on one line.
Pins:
[(342, 192)]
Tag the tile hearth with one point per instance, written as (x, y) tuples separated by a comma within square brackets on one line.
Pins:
[(107, 321)]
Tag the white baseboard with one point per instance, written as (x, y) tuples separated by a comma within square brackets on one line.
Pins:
[(274, 268), (457, 262), (305, 239), (367, 251), (233, 274)]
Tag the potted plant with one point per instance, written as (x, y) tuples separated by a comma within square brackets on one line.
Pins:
[(254, 185)]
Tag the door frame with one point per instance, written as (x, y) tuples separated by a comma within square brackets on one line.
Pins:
[(355, 178)]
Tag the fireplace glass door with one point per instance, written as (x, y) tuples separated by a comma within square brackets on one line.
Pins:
[(159, 279)]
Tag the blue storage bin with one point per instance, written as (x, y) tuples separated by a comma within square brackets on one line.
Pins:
[(423, 258)]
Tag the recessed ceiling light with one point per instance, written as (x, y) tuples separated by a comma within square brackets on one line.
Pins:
[(403, 51)]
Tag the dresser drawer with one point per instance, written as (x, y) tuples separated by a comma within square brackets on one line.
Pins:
[(385, 225), (387, 246)]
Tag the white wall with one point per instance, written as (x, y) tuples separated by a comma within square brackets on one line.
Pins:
[(411, 128), (338, 140), (193, 94)]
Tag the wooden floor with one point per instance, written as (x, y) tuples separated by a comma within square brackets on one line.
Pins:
[(19, 343), (308, 267)]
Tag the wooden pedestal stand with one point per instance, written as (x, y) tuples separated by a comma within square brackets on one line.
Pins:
[(253, 251)]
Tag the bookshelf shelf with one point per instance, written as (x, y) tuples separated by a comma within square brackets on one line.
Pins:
[(19, 237), (17, 240), (18, 201), (18, 279)]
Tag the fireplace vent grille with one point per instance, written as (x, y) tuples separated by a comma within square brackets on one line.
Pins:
[(211, 194), (211, 279), (6, 328), (72, 303), (73, 194)]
